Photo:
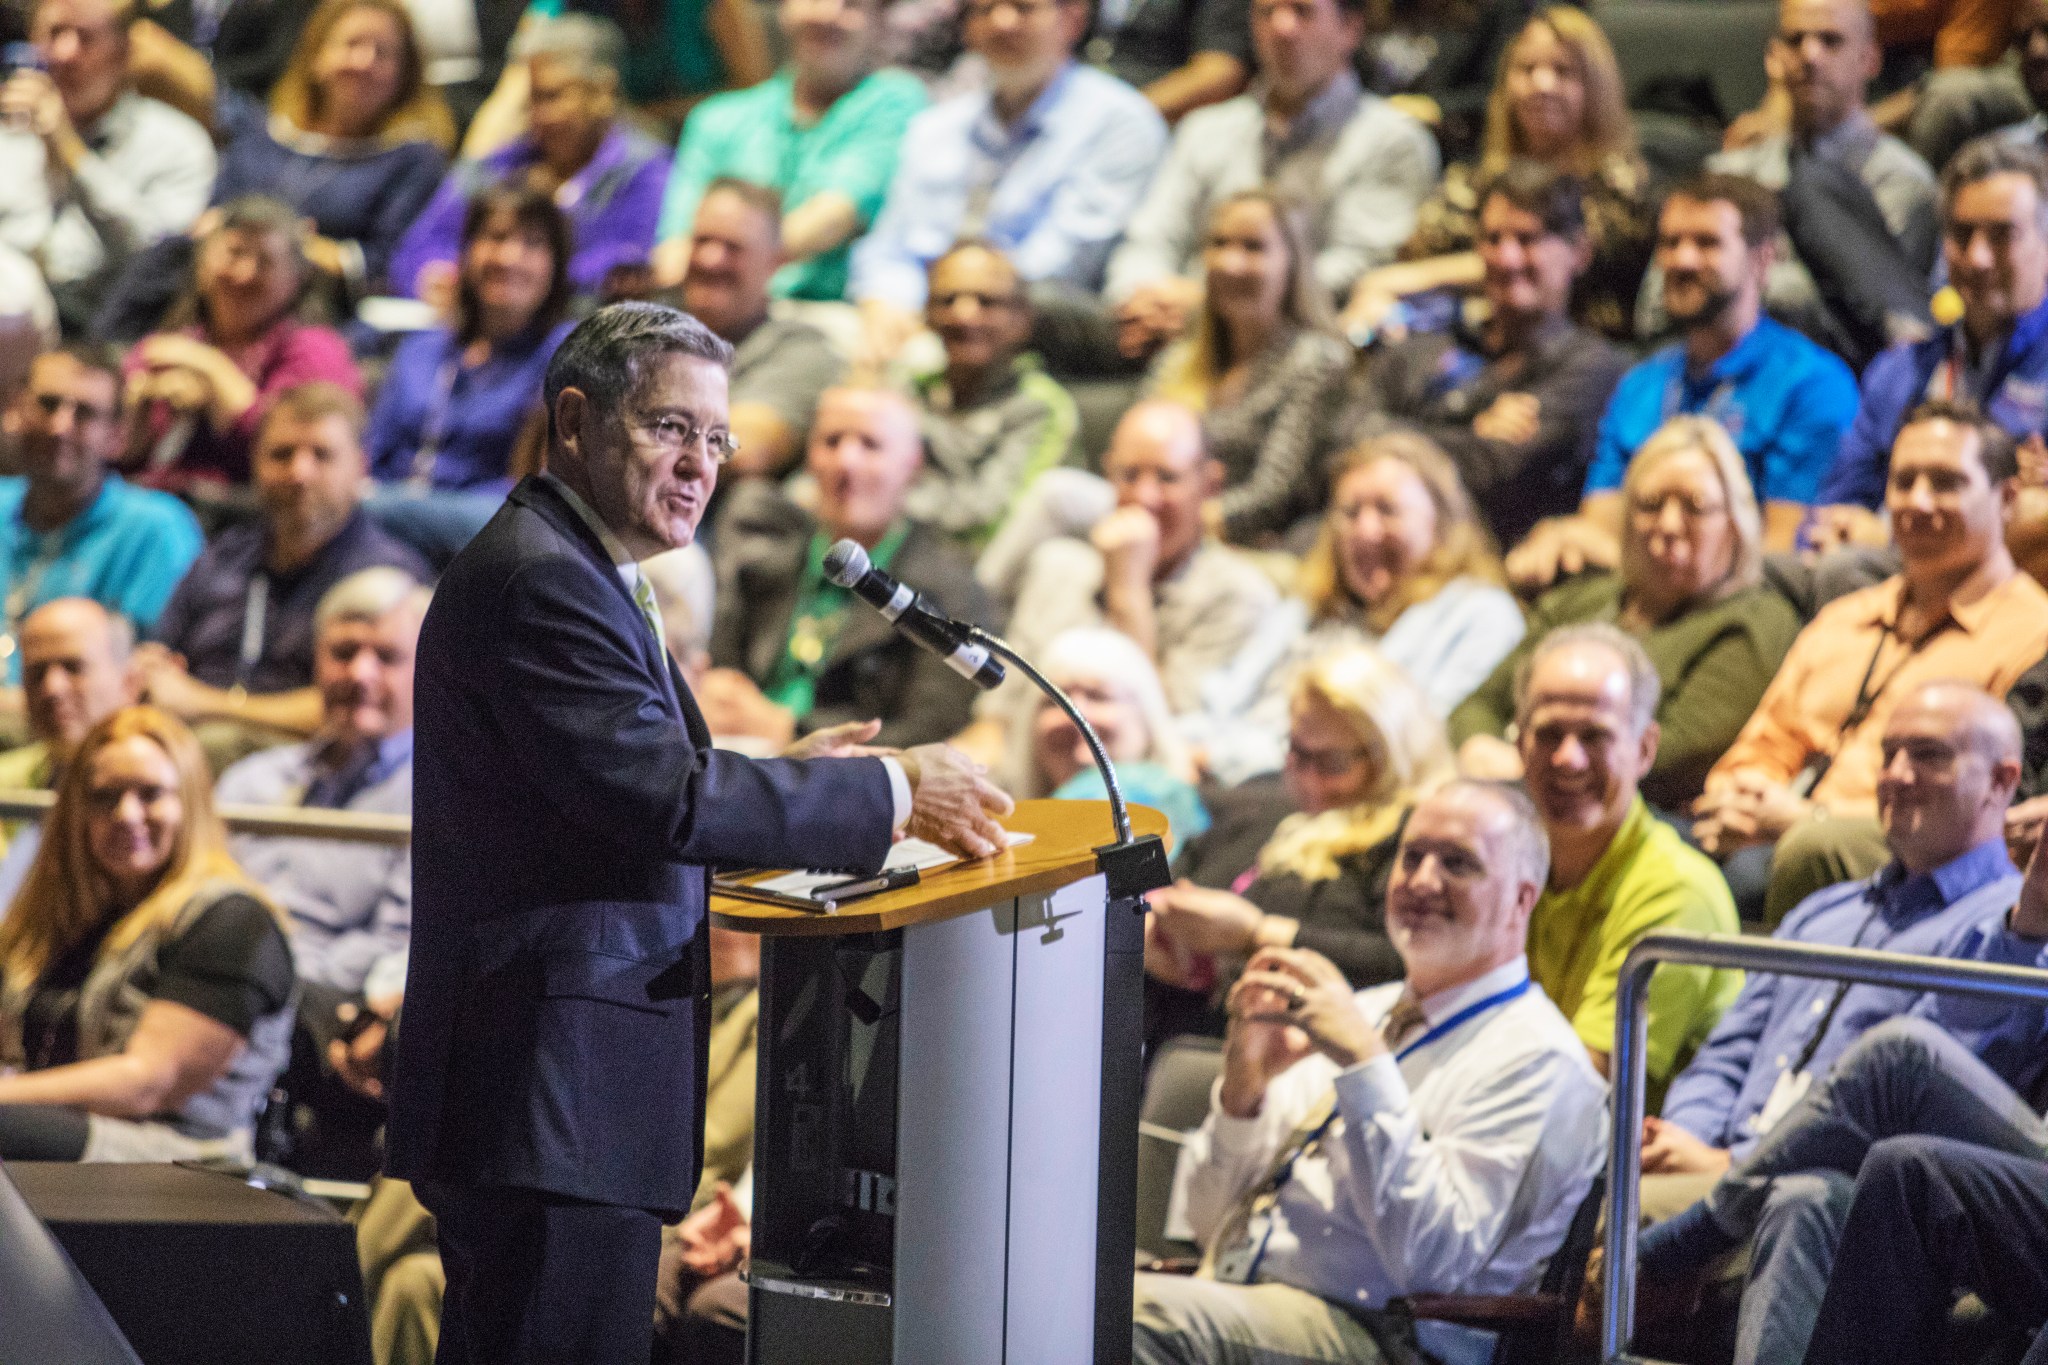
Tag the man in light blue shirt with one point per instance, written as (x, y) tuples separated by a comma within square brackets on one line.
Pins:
[(350, 902), (1048, 164), (1952, 757), (68, 526)]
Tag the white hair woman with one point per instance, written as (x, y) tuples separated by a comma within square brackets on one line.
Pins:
[(1113, 685)]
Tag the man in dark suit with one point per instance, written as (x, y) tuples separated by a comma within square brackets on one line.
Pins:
[(793, 653), (548, 1095)]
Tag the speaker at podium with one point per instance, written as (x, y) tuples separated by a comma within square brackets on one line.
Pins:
[(946, 1118)]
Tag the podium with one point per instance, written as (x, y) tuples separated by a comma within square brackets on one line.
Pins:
[(947, 1112)]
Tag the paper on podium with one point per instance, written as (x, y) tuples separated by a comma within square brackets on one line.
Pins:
[(904, 854)]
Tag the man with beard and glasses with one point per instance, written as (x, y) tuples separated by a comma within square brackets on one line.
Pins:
[(1586, 701), (1790, 807), (1783, 399), (1515, 400), (779, 365)]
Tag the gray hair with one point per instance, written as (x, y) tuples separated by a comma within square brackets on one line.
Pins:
[(1645, 688), (1981, 158), (603, 358), (370, 595), (592, 47), (1528, 844)]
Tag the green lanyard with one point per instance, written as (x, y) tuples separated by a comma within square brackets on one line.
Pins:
[(815, 622)]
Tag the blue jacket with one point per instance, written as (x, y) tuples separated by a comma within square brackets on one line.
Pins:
[(1955, 911), (1896, 382), (568, 806), (1782, 398)]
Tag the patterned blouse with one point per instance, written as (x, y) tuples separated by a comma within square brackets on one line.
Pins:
[(1620, 219), (1275, 438)]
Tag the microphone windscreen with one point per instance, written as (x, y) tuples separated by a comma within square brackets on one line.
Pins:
[(846, 563)]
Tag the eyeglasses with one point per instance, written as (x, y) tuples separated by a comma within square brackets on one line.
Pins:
[(674, 435), (1023, 9), (1325, 762)]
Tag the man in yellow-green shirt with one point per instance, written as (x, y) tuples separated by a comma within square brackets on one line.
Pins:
[(1585, 705)]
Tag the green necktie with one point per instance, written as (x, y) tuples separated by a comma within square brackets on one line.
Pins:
[(650, 610)]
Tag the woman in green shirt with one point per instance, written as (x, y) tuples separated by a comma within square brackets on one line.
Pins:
[(823, 132), (1690, 588)]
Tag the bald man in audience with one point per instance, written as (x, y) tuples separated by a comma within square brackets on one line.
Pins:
[(792, 652), (1148, 568), (1951, 758), (74, 674)]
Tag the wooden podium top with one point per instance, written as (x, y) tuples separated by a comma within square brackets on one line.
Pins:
[(1063, 851)]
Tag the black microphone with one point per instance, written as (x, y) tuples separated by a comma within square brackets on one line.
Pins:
[(847, 564)]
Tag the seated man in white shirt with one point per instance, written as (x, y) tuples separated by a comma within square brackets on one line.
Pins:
[(1432, 1137)]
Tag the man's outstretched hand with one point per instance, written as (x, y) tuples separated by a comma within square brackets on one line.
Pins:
[(952, 802)]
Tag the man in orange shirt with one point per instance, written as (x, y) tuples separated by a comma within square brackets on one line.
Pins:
[(1792, 804)]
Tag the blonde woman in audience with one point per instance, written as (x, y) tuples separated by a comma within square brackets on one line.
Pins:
[(1690, 589), (1116, 689), (1402, 563), (1559, 100), (146, 992), (1264, 367), (1363, 745)]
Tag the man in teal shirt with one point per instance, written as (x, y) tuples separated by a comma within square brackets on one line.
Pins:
[(823, 132), (69, 527)]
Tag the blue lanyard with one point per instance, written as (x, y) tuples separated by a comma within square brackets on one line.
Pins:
[(1476, 1008), (1463, 1016)]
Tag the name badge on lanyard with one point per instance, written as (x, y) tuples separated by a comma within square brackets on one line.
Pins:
[(1238, 1263)]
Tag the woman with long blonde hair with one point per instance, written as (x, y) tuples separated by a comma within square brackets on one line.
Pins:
[(1690, 588), (1363, 745), (1401, 562), (146, 985), (1263, 366), (1559, 100)]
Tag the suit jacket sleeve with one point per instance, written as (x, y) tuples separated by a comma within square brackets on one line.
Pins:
[(602, 747)]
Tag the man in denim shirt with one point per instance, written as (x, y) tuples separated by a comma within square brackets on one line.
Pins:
[(1951, 763)]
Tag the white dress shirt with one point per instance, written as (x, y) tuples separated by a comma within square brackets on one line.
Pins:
[(629, 574), (1454, 1171)]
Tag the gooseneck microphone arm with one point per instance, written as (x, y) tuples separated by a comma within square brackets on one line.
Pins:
[(1120, 816), (1130, 867)]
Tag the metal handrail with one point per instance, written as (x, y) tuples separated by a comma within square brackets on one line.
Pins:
[(299, 822), (1861, 965)]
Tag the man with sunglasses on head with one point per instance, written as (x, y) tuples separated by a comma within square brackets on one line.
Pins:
[(548, 1097), (69, 526)]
